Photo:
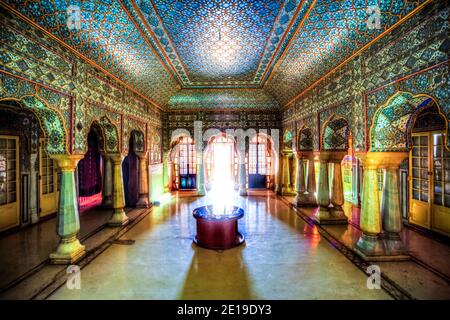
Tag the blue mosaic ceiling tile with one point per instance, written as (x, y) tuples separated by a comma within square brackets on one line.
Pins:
[(106, 35), (333, 31), (222, 99), (217, 43)]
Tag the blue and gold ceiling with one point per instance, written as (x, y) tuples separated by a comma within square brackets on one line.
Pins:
[(161, 46)]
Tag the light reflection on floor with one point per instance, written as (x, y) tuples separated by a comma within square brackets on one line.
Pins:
[(283, 258)]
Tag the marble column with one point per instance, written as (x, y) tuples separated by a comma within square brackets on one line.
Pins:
[(167, 172), (311, 183), (107, 183), (323, 192), (201, 190), (390, 207), (69, 249), (306, 198), (119, 218), (371, 245), (34, 188), (143, 201), (300, 187), (278, 174), (242, 175), (337, 193), (200, 179), (335, 214)]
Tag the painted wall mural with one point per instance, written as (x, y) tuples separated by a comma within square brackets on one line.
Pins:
[(305, 140), (68, 92), (335, 134), (106, 35)]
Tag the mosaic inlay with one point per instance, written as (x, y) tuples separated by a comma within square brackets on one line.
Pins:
[(333, 31)]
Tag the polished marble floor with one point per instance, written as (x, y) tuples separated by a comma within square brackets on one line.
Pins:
[(283, 258)]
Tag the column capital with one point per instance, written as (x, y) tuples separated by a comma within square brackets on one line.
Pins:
[(375, 160), (116, 158), (330, 156), (142, 155), (67, 162)]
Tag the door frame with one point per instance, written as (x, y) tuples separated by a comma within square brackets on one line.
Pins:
[(18, 193), (48, 199)]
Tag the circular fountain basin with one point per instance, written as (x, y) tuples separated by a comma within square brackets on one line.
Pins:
[(217, 227)]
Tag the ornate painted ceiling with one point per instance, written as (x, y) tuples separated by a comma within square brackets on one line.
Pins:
[(223, 99), (160, 46), (332, 32)]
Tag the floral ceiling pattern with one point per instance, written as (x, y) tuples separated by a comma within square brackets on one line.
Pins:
[(158, 47)]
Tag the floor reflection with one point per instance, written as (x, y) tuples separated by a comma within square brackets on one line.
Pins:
[(217, 275)]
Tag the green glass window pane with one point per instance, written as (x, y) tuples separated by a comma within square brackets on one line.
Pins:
[(424, 141), (447, 200), (424, 173), (423, 151)]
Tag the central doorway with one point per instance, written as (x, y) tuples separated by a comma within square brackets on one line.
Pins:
[(259, 162), (221, 164)]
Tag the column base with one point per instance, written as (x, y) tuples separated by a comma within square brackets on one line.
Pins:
[(107, 203), (329, 216), (201, 192), (287, 192), (243, 192), (34, 217), (69, 251), (143, 201), (375, 248), (305, 200), (118, 219), (277, 189)]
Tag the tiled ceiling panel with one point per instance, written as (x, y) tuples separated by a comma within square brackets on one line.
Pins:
[(218, 43), (332, 32), (107, 36)]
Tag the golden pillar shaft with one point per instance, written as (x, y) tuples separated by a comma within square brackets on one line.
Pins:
[(119, 217), (143, 201)]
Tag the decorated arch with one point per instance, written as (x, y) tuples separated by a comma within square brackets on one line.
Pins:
[(51, 122), (335, 134), (110, 134), (392, 122), (305, 139)]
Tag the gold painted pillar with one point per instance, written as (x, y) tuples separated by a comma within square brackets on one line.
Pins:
[(278, 173), (143, 201), (337, 190), (69, 249), (371, 246), (119, 218), (325, 214), (286, 174), (107, 182)]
